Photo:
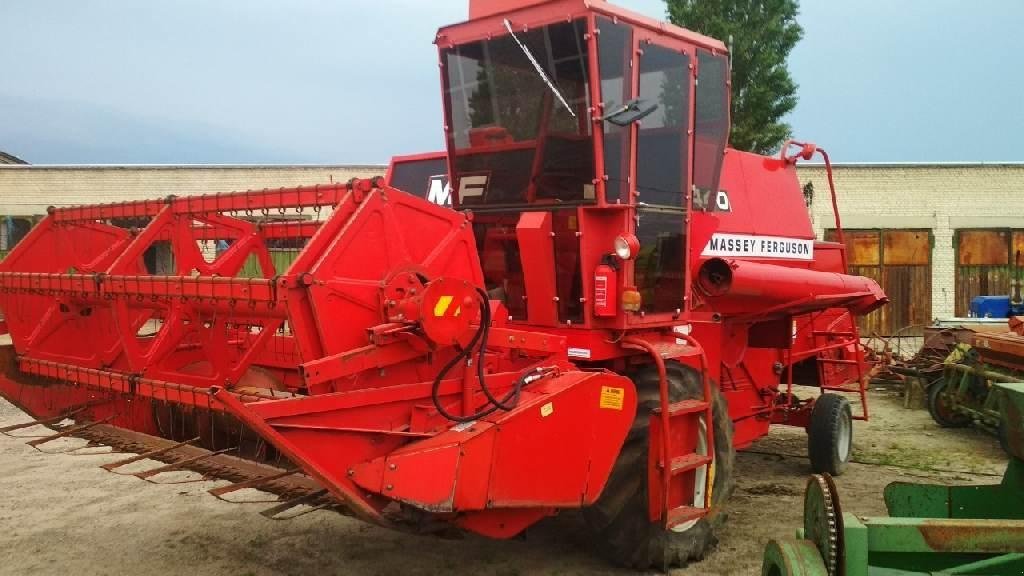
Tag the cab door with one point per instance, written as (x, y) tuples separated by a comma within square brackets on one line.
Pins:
[(664, 75)]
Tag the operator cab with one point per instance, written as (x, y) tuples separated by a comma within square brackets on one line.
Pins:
[(574, 132)]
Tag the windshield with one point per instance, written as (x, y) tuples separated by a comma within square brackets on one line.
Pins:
[(512, 139)]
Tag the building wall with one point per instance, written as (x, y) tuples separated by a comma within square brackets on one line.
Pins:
[(942, 198), (28, 190)]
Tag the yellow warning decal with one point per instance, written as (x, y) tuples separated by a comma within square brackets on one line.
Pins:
[(547, 410), (612, 398), (442, 305)]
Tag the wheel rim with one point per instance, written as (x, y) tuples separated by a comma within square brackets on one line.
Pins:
[(700, 477), (944, 408), (845, 436)]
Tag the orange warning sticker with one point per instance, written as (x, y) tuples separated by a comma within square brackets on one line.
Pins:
[(612, 398)]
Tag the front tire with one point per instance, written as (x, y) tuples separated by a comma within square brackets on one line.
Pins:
[(830, 434), (619, 519)]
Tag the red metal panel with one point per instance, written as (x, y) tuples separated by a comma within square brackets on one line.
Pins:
[(537, 252), (555, 449), (483, 8), (375, 243), (765, 197), (559, 449), (541, 14), (559, 11), (425, 479)]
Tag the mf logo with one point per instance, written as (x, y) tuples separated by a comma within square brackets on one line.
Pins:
[(440, 192), (470, 186)]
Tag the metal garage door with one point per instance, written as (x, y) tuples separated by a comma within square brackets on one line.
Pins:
[(900, 261), (985, 263)]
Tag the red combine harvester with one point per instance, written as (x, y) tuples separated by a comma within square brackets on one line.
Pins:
[(616, 303)]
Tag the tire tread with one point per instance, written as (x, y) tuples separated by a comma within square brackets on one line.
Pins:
[(619, 518)]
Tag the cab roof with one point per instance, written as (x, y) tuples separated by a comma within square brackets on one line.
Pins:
[(486, 19)]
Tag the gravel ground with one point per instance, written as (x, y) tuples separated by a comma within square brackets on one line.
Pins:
[(62, 514)]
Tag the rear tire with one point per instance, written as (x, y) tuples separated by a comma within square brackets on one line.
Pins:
[(941, 411), (619, 519), (830, 434)]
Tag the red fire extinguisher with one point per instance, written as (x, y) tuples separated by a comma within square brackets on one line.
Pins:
[(605, 282)]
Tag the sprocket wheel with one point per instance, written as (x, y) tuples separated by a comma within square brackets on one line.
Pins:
[(823, 521)]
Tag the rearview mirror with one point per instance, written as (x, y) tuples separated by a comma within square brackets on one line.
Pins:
[(630, 112)]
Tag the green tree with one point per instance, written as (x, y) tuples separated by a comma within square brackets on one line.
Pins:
[(763, 33)]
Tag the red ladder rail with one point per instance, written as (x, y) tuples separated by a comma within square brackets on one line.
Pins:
[(672, 467)]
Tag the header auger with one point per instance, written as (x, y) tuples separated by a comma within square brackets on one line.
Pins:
[(607, 304)]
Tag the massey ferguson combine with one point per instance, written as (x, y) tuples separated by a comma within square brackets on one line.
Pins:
[(613, 303)]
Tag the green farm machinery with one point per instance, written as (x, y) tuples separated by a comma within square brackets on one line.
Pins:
[(931, 529), (966, 394)]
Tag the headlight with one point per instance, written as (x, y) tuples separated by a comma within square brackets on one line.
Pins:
[(627, 246)]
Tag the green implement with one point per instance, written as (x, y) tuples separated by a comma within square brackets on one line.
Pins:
[(931, 529)]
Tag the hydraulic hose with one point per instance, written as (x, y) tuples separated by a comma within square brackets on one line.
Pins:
[(479, 341)]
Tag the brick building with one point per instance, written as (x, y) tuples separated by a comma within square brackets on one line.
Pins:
[(26, 191), (934, 235)]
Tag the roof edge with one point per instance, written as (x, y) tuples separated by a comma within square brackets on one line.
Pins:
[(191, 166), (11, 159), (949, 164)]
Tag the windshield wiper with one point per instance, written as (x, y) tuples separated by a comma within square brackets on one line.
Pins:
[(540, 70)]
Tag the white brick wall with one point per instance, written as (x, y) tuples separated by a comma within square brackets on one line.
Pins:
[(28, 190), (939, 197)]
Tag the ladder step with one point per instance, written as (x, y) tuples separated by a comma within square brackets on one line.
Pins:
[(681, 464), (683, 514), (684, 407), (838, 361)]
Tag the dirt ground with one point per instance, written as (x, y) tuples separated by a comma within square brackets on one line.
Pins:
[(62, 514)]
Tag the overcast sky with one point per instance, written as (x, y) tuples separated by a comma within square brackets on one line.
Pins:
[(347, 81)]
